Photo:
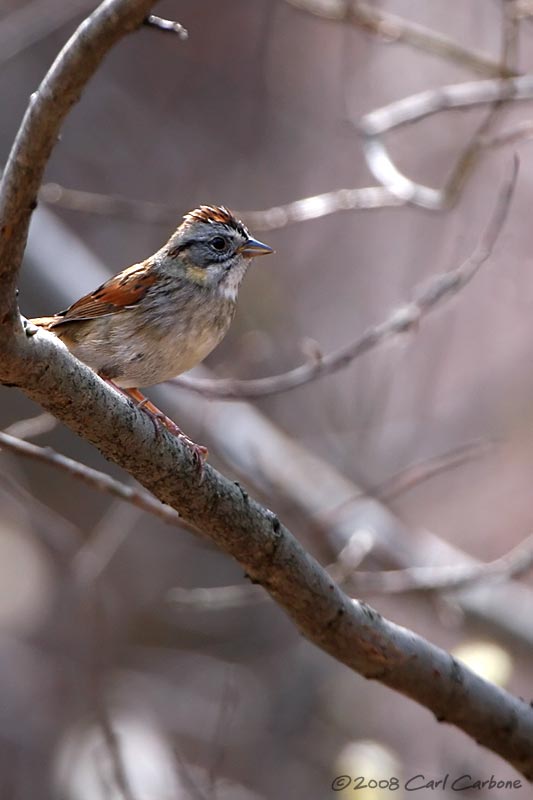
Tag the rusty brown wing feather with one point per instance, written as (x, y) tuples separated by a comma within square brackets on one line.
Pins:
[(117, 294)]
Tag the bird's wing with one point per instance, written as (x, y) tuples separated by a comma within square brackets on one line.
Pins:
[(117, 294)]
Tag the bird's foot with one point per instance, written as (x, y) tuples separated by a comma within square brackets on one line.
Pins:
[(160, 420)]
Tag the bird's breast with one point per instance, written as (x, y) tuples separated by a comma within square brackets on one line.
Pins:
[(175, 343)]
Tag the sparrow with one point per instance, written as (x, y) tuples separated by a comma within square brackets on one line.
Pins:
[(162, 316)]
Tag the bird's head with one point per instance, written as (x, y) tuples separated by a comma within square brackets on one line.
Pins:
[(213, 248)]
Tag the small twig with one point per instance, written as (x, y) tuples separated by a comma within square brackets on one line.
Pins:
[(166, 25), (92, 477), (403, 319)]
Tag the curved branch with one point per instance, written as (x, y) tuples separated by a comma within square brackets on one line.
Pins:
[(374, 125), (37, 135)]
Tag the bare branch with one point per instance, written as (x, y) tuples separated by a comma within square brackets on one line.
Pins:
[(410, 109), (268, 219), (48, 107), (351, 632), (451, 578), (425, 470), (445, 579), (397, 29), (439, 288), (92, 477)]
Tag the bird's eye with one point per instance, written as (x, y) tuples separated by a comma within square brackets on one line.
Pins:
[(219, 243)]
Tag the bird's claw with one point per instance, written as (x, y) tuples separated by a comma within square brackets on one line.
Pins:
[(198, 451)]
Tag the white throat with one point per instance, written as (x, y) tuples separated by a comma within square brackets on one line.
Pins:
[(229, 285)]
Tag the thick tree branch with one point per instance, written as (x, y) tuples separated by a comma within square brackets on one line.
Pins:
[(349, 631)]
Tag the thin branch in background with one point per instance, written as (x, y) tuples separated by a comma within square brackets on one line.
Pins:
[(416, 474), (440, 579), (374, 125), (365, 198), (92, 477), (166, 25), (304, 209), (398, 29), (444, 579), (411, 579), (301, 210), (406, 318), (32, 427)]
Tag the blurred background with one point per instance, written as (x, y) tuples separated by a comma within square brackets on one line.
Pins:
[(135, 660)]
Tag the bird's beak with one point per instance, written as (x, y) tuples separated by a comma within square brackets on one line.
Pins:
[(252, 248)]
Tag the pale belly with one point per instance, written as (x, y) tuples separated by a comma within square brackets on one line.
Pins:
[(145, 358)]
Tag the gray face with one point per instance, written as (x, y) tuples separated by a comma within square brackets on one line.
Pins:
[(216, 249), (212, 248)]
